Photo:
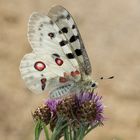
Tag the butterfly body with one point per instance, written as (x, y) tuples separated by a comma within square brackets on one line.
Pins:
[(59, 64)]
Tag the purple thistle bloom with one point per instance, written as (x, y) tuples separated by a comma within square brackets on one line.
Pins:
[(87, 108), (93, 99), (52, 104)]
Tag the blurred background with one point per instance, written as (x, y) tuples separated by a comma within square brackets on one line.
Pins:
[(111, 33)]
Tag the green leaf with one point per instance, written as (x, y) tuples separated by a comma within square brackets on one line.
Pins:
[(38, 129)]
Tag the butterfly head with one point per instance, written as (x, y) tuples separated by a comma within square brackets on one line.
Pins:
[(90, 86), (93, 84)]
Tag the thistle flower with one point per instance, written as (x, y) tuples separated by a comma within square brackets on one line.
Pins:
[(52, 104), (90, 108), (42, 113), (67, 107), (84, 107), (77, 113)]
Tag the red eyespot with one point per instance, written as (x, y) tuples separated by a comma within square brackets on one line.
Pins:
[(39, 65), (77, 72), (62, 80), (58, 61), (74, 73)]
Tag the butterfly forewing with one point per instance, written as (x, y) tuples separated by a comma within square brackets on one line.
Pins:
[(68, 27), (44, 34)]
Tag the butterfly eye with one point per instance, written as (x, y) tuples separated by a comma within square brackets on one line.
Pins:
[(58, 61), (93, 85), (39, 65)]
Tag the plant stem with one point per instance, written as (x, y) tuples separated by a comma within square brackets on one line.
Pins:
[(46, 132)]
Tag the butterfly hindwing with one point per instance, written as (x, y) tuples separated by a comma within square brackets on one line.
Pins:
[(41, 73)]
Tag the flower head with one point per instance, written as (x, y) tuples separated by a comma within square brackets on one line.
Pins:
[(42, 113), (85, 108), (90, 107)]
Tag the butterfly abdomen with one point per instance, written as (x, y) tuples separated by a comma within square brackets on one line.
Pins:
[(61, 91)]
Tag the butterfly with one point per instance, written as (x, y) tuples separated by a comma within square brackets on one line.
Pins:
[(59, 63)]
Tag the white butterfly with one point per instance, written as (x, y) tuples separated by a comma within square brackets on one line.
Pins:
[(59, 63)]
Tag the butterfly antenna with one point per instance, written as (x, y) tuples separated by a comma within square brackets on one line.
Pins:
[(102, 78)]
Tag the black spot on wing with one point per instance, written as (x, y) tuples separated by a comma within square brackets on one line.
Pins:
[(64, 30), (60, 32), (51, 22), (73, 26), (61, 17), (56, 55), (51, 35), (68, 17), (41, 25), (43, 83), (73, 38), (70, 55), (78, 52), (63, 43)]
